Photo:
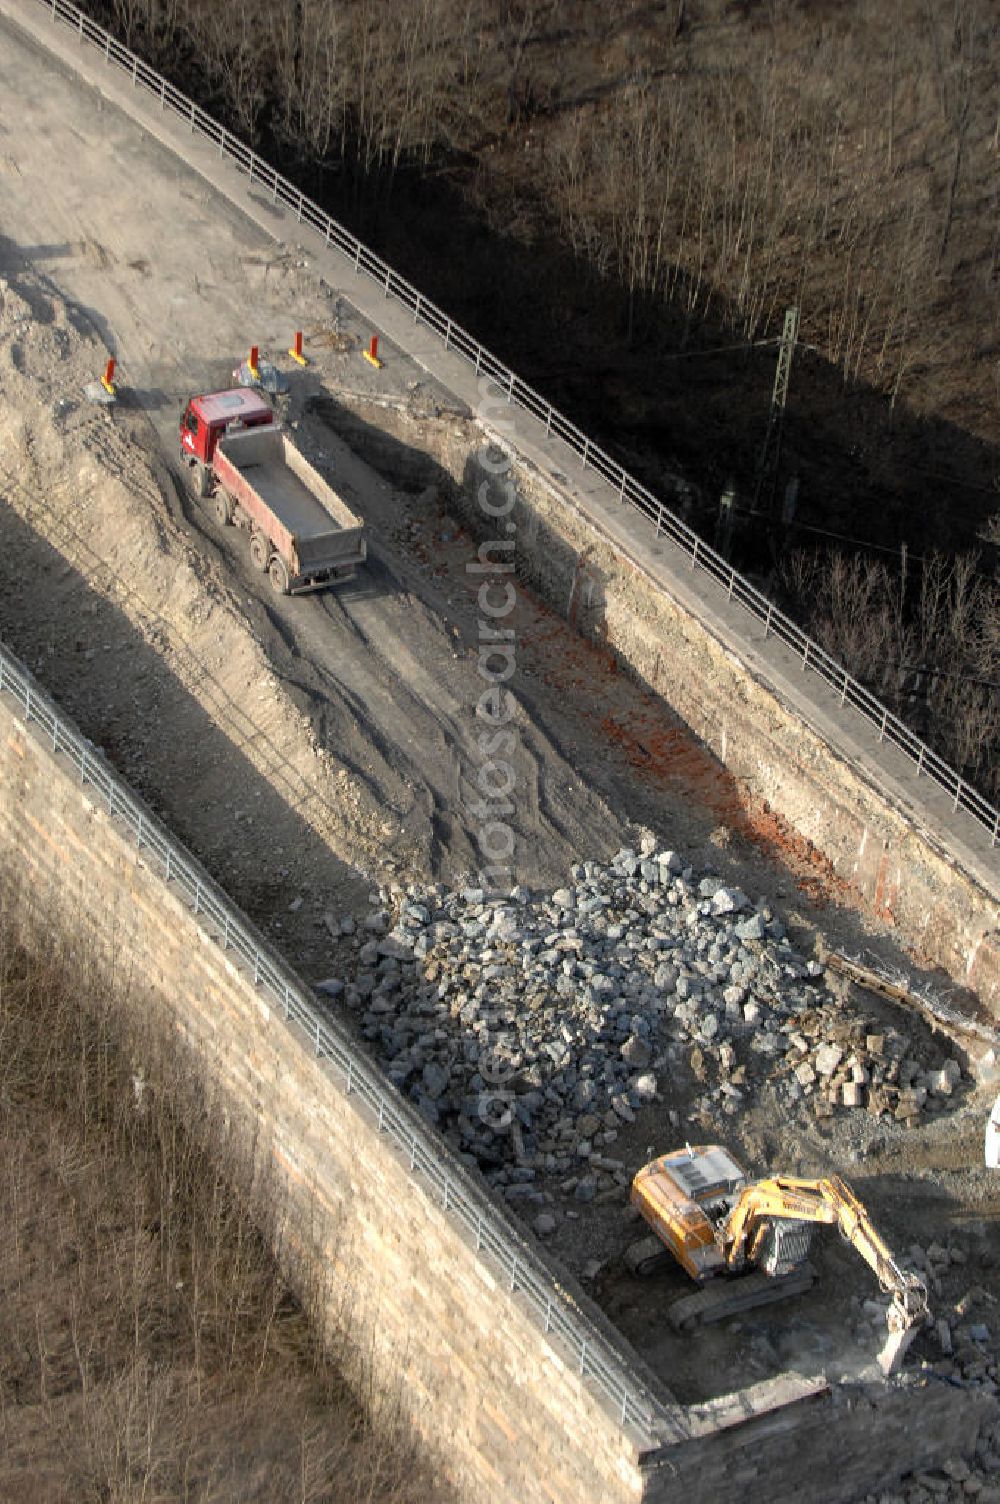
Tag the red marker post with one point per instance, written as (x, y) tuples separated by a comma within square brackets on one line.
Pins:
[(296, 351), (371, 354), (108, 379)]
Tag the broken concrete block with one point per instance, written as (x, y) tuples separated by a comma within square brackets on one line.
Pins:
[(939, 1083), (636, 1052), (644, 1086), (908, 1106), (805, 1075), (852, 1094), (875, 1044), (828, 1057)]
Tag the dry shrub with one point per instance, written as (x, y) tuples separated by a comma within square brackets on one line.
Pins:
[(149, 1346), (924, 637)]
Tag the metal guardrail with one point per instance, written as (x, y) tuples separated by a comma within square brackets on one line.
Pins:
[(517, 392), (591, 1355)]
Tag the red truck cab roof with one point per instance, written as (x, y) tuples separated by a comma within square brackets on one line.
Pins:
[(242, 404)]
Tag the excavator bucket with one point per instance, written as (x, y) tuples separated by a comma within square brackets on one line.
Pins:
[(890, 1359)]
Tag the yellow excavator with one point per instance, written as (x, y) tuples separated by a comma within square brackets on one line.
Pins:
[(713, 1220)]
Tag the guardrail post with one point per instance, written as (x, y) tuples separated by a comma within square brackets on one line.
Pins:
[(250, 177), (197, 895), (138, 833), (479, 356), (388, 279), (479, 1231), (548, 1314), (694, 552), (107, 47), (659, 519), (135, 70), (222, 142), (996, 829), (767, 620), (583, 1356), (881, 729), (805, 655), (327, 242), (83, 766), (350, 1074), (274, 190), (381, 1112), (288, 1001), (300, 199), (513, 1274), (256, 967), (621, 491), (348, 1066), (166, 874), (510, 388), (843, 692), (920, 761), (163, 94), (446, 1188), (447, 333), (225, 932), (416, 310), (732, 582), (357, 256), (80, 24), (27, 702), (586, 451), (193, 108)]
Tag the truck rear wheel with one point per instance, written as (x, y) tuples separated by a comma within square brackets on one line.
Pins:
[(223, 508), (278, 575), (260, 551)]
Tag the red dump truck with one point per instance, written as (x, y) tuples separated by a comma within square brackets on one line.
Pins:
[(302, 534)]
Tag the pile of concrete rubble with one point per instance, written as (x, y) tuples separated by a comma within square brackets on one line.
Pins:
[(532, 1028)]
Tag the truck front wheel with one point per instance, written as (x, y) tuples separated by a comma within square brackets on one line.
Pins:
[(199, 478), (260, 551), (278, 575)]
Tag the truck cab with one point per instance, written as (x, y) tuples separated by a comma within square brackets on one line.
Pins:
[(207, 418)]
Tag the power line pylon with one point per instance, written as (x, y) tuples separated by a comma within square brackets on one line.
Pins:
[(767, 464)]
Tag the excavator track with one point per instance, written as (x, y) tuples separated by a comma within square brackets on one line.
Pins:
[(728, 1297)]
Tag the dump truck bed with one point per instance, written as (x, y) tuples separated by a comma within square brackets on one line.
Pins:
[(313, 528)]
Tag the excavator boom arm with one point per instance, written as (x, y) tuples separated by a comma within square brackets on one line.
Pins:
[(828, 1200)]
